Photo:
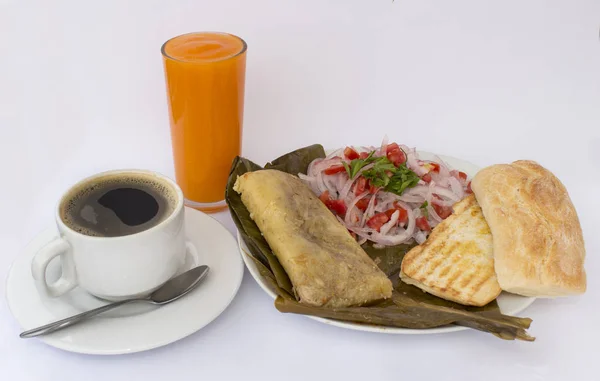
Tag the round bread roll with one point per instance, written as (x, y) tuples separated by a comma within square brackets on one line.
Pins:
[(538, 243)]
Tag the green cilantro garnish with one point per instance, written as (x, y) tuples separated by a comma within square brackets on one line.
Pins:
[(386, 175), (424, 209), (402, 179), (358, 164)]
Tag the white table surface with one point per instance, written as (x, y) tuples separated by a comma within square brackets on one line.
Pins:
[(81, 90)]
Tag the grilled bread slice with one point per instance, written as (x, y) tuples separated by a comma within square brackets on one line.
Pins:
[(456, 262)]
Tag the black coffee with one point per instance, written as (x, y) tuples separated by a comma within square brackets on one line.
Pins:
[(118, 205)]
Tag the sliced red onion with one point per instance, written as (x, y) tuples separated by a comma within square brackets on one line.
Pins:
[(383, 148), (387, 198), (382, 206), (417, 212), (429, 194), (340, 181), (412, 161), (412, 198), (370, 209), (456, 175), (419, 189), (420, 237), (404, 206), (456, 187), (351, 206), (311, 167), (440, 201), (390, 224), (344, 192), (311, 181), (433, 214), (355, 216), (321, 183), (440, 181), (444, 168)]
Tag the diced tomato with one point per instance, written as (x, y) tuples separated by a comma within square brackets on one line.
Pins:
[(372, 188), (435, 167), (377, 221), (389, 213), (469, 190), (363, 155), (397, 157), (442, 211), (361, 185), (403, 214), (395, 154), (353, 234), (423, 224), (363, 204), (403, 217), (392, 147), (426, 177), (350, 153), (459, 175), (337, 206), (334, 169)]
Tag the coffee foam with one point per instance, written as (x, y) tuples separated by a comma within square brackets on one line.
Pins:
[(70, 200)]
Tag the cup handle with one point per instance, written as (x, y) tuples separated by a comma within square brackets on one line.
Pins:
[(191, 252), (68, 279)]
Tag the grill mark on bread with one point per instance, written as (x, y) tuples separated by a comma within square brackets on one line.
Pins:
[(453, 278), (445, 270)]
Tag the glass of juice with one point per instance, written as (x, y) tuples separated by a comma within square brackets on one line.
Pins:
[(205, 78)]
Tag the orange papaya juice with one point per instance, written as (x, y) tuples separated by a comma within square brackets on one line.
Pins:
[(205, 79)]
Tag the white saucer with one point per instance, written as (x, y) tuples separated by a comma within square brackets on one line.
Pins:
[(509, 304), (132, 328)]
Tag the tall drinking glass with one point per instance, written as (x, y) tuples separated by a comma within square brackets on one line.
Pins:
[(205, 77)]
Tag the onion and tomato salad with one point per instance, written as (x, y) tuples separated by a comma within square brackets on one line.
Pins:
[(386, 194)]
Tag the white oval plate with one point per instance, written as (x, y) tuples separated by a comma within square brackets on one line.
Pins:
[(138, 327), (509, 304)]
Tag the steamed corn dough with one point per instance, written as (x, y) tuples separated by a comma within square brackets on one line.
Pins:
[(326, 265)]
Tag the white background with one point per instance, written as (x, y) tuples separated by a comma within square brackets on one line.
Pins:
[(82, 90)]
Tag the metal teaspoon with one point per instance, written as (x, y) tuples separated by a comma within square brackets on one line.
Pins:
[(168, 292)]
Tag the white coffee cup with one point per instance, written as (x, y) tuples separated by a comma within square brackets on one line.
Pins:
[(116, 268)]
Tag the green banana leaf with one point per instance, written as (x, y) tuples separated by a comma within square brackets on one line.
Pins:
[(409, 306)]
